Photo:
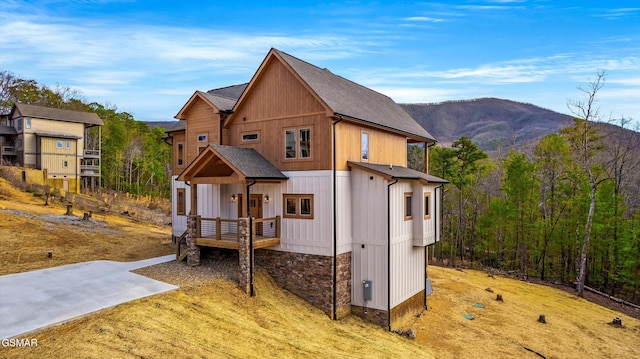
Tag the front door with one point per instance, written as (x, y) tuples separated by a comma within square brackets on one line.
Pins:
[(255, 207)]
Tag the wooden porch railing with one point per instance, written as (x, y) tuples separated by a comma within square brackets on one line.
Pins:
[(227, 229)]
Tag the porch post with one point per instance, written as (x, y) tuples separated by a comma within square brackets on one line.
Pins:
[(243, 255), (193, 251)]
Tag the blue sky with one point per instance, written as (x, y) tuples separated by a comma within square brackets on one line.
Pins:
[(148, 57)]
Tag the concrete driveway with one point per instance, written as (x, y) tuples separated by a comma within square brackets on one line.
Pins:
[(33, 300)]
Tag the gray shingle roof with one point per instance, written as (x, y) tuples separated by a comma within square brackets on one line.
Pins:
[(397, 172), (249, 162), (57, 114), (181, 125), (224, 98), (352, 100), (8, 130)]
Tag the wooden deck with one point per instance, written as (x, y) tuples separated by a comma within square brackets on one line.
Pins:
[(230, 241)]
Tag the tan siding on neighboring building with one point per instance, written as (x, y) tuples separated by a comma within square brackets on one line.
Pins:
[(53, 159), (47, 126), (384, 147)]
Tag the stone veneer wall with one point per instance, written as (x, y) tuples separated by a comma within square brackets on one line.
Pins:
[(310, 277), (375, 316)]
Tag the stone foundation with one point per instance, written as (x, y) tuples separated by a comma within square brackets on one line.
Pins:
[(193, 251), (310, 277)]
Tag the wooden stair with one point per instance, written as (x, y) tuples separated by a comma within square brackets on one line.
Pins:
[(181, 256)]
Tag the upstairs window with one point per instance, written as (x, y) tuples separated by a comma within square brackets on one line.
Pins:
[(68, 144), (427, 205), (297, 143), (250, 137), (27, 123), (408, 203), (202, 137), (364, 144), (180, 154), (59, 144)]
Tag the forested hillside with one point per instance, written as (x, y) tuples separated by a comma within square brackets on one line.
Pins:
[(135, 159), (571, 203)]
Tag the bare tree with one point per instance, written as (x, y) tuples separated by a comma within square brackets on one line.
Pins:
[(584, 139)]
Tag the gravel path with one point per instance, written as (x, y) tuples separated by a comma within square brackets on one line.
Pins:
[(180, 274)]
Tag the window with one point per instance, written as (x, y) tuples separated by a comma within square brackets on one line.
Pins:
[(202, 138), (427, 209), (297, 143), (68, 144), (408, 202), (27, 123), (364, 144), (65, 164), (250, 137), (298, 206), (181, 201), (58, 144), (19, 125), (180, 154)]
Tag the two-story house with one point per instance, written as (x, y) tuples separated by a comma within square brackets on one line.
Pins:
[(56, 141), (305, 173)]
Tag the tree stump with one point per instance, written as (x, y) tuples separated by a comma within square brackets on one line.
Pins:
[(499, 298), (617, 322), (69, 210), (542, 319)]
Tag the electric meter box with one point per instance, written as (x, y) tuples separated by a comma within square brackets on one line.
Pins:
[(367, 292)]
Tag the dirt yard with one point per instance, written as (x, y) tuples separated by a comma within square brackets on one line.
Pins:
[(29, 230)]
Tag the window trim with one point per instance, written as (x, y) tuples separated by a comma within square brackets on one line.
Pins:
[(65, 164), (249, 133), (427, 205), (297, 199), (408, 206), (297, 150), (202, 137), (364, 134), (181, 209)]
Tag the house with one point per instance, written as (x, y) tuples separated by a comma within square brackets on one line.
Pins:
[(54, 140), (304, 173)]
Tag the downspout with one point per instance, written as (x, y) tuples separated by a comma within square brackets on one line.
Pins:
[(389, 253), (252, 291), (335, 221), (435, 227), (77, 165)]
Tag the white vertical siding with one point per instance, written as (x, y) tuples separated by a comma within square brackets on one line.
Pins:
[(344, 211), (369, 262), (407, 271), (178, 223), (429, 229)]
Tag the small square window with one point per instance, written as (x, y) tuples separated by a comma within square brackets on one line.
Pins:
[(58, 144), (65, 164), (27, 123), (291, 206), (202, 138), (298, 206), (68, 144)]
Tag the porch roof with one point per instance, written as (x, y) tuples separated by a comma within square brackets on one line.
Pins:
[(228, 164), (396, 172)]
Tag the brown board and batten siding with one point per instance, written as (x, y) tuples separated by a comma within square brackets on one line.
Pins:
[(270, 112), (178, 137), (202, 119), (384, 147)]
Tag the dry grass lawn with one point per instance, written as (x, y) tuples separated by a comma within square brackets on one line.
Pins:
[(212, 318)]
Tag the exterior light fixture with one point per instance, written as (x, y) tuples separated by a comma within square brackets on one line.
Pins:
[(266, 199), (233, 198)]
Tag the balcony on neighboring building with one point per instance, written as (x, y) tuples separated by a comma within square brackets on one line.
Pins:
[(91, 153), (8, 151)]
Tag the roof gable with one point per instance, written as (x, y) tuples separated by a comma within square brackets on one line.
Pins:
[(230, 164), (222, 99), (56, 114)]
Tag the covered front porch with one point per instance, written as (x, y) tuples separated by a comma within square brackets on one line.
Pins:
[(232, 215)]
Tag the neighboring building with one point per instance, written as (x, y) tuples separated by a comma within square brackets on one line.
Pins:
[(53, 140), (319, 161)]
